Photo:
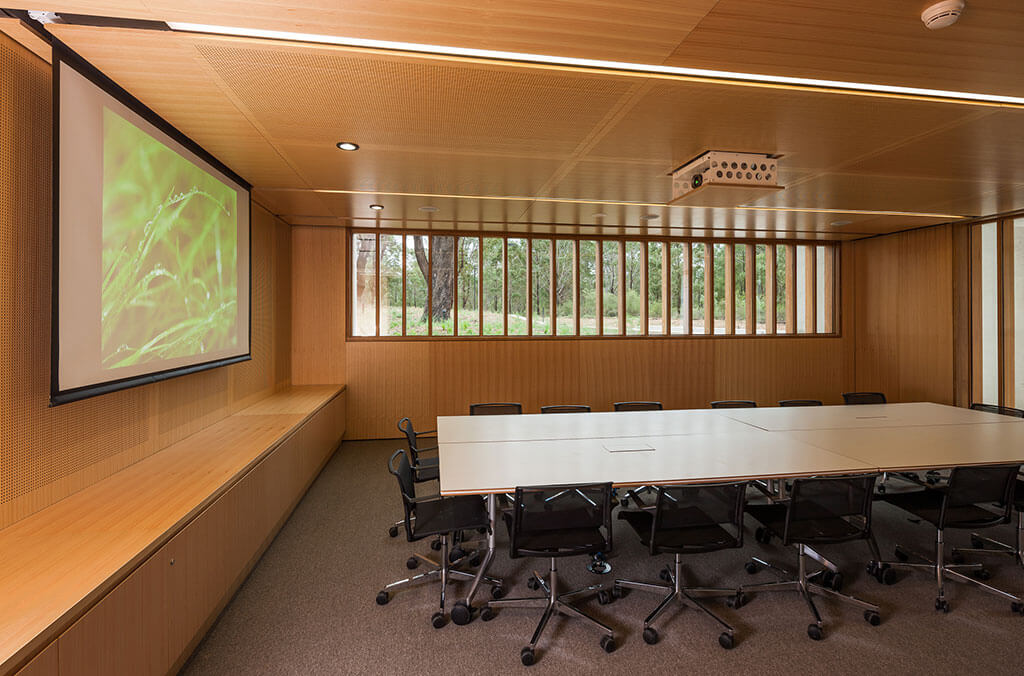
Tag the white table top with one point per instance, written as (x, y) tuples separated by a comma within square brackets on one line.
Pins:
[(498, 467), (914, 448), (867, 416), (539, 427)]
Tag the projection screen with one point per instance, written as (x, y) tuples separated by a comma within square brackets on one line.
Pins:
[(151, 244)]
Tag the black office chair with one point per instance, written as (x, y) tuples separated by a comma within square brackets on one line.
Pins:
[(423, 469), (853, 398), (577, 525), (800, 402), (978, 541), (734, 403), (964, 502), (435, 515), (820, 510), (566, 408), (688, 520), (638, 406), (496, 408)]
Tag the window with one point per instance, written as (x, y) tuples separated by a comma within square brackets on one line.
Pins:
[(465, 286)]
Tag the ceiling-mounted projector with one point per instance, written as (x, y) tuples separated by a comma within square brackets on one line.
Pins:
[(718, 178)]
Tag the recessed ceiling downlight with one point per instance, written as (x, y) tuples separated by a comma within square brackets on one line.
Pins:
[(942, 14), (377, 207), (430, 209), (347, 145), (650, 217)]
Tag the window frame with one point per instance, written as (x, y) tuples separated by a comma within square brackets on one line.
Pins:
[(731, 244)]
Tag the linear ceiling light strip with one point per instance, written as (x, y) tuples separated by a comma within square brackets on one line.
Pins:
[(561, 200), (620, 67)]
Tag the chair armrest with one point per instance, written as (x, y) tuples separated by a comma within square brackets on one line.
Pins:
[(428, 433), (426, 449)]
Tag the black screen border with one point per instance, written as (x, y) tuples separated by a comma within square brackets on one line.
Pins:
[(64, 54)]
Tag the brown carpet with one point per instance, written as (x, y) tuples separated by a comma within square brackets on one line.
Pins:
[(308, 607)]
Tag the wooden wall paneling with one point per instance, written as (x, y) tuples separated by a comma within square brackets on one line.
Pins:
[(770, 290), (877, 312), (847, 316), (730, 289), (961, 243), (767, 370), (46, 663), (925, 315), (750, 287), (319, 305)]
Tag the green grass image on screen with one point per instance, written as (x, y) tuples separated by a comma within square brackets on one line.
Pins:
[(170, 277)]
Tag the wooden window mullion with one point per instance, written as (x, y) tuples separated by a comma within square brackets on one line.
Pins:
[(810, 282), (790, 288)]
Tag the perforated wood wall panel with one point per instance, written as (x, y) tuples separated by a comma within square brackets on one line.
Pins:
[(49, 453)]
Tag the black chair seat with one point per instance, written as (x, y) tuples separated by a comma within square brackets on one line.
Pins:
[(703, 536), (927, 505), (826, 530), (557, 541), (448, 514)]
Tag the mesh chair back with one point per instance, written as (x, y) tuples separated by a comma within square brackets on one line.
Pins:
[(406, 428), (734, 403), (863, 398), (800, 402), (704, 511), (398, 464), (496, 408), (818, 504), (566, 408), (978, 486), (578, 522), (1001, 410), (638, 406)]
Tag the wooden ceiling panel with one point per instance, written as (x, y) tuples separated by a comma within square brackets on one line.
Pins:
[(878, 192), (319, 96), (813, 131), (872, 42), (288, 203), (383, 170)]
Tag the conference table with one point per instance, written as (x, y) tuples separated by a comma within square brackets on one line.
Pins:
[(491, 455)]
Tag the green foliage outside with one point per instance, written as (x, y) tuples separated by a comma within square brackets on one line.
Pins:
[(170, 282)]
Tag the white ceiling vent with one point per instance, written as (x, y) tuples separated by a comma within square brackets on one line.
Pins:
[(723, 179), (942, 14)]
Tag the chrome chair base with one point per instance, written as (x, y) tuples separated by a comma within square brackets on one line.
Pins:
[(686, 596), (945, 571), (553, 603), (805, 584), (1017, 552)]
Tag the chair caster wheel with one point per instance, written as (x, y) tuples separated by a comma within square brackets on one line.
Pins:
[(604, 597), (474, 560), (438, 620), (482, 530), (533, 583), (836, 583), (619, 592), (461, 614), (436, 545), (497, 592), (942, 604), (456, 554), (487, 614), (901, 555), (872, 618), (886, 575), (956, 557), (725, 640), (736, 602), (393, 531), (624, 503), (763, 535), (412, 563), (977, 542), (608, 643), (650, 636), (526, 656), (383, 598), (750, 567), (815, 632), (1017, 607), (881, 490), (982, 574), (826, 578), (664, 575)]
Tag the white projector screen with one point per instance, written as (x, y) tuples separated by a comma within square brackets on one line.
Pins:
[(151, 252)]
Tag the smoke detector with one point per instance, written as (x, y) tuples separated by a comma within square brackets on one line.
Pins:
[(942, 14)]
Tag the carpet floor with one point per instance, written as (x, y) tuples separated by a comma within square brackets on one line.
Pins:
[(309, 605)]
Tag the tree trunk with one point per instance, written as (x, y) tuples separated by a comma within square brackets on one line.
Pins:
[(441, 273)]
